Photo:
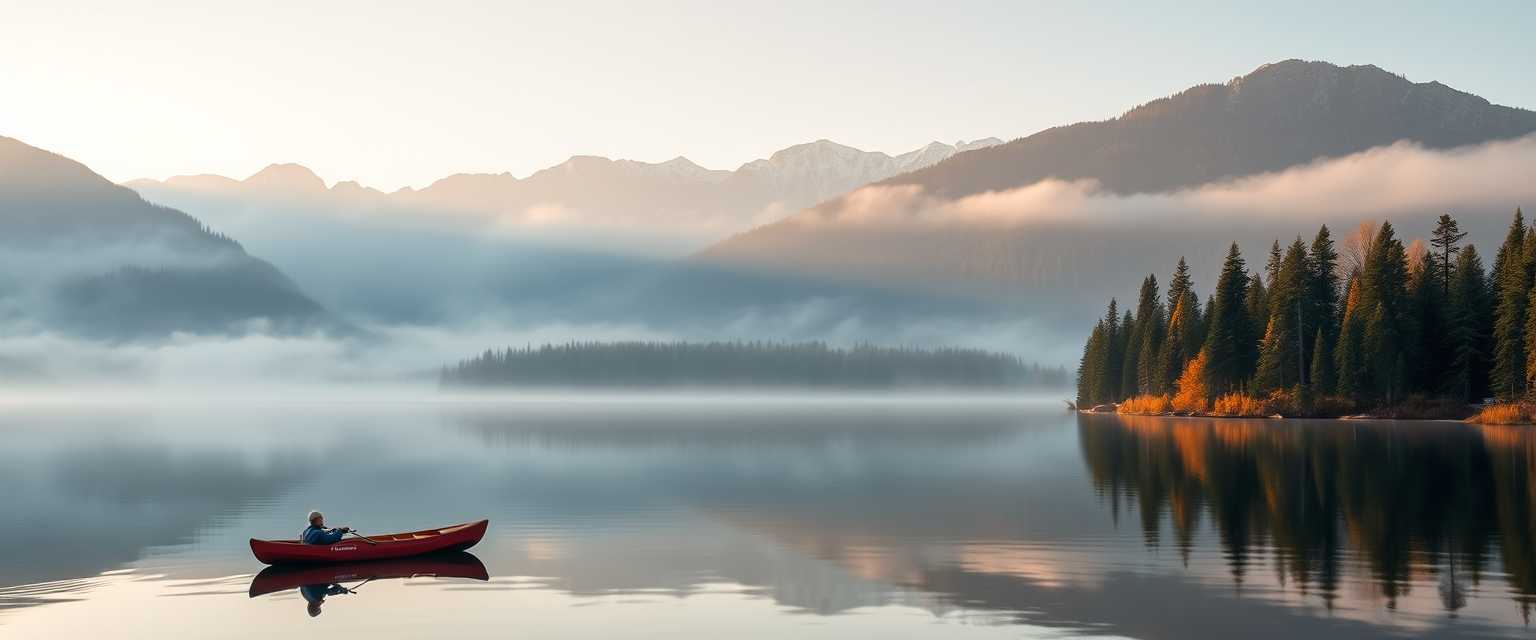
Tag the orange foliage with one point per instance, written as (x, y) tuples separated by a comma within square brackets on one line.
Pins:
[(1508, 413), (1191, 397), (1237, 405), (1147, 405)]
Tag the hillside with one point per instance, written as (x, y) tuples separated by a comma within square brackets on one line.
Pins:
[(1280, 115), (1244, 160), (85, 256)]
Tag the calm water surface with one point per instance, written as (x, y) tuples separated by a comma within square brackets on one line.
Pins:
[(776, 518)]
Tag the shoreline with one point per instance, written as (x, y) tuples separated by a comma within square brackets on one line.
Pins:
[(1360, 417)]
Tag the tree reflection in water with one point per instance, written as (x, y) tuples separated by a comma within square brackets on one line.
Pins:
[(1439, 501)]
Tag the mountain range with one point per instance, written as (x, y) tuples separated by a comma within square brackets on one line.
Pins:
[(1280, 115), (585, 190), (1066, 209), (818, 238)]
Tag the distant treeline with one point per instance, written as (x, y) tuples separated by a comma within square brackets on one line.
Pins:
[(747, 364), (1371, 324)]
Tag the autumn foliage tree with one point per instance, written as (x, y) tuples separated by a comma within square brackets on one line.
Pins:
[(1370, 325)]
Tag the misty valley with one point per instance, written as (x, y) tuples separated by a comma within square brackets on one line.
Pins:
[(435, 380)]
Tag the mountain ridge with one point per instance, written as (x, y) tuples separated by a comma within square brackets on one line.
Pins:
[(1010, 222), (93, 258), (680, 165), (1328, 111), (590, 187)]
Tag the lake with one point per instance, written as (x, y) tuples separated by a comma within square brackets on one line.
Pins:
[(773, 517)]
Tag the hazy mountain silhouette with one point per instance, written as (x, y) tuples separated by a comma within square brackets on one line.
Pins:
[(580, 242), (588, 190), (1280, 115), (84, 255)]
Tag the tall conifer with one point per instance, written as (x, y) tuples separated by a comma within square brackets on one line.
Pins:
[(1470, 327), (1230, 345), (1142, 346), (1512, 293), (1321, 376), (1445, 240), (1388, 325), (1349, 366), (1282, 356), (1427, 306)]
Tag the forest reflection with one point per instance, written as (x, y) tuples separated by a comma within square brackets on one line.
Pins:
[(1407, 502)]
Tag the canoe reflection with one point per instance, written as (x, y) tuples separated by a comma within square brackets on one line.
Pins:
[(317, 582)]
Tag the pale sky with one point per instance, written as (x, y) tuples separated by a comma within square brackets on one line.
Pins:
[(395, 94)]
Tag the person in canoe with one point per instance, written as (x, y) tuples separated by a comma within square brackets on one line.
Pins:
[(316, 533)]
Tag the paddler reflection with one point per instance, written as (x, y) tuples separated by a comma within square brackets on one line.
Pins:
[(315, 583), (315, 595)]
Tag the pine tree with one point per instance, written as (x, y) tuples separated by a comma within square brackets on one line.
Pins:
[(1178, 285), (1322, 372), (1256, 304), (1445, 238), (1148, 373), (1230, 346), (1470, 327), (1282, 354), (1147, 336), (1530, 343), (1349, 365), (1323, 261), (1269, 375), (1388, 328), (1205, 317), (1182, 339), (1125, 386), (1511, 286), (1107, 386), (1427, 307), (1178, 345), (1088, 370), (1272, 266)]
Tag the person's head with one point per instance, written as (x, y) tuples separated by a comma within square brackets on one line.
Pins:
[(316, 518), (314, 609)]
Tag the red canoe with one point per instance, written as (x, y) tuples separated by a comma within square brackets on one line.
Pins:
[(455, 564), (393, 545)]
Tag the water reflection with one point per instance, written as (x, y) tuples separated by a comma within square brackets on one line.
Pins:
[(316, 583), (775, 519), (1416, 503)]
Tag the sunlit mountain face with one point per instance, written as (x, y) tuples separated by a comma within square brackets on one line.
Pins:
[(1056, 218)]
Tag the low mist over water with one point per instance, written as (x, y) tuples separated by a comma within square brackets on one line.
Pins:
[(716, 320), (806, 516)]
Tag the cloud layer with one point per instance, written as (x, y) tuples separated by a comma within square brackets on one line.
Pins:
[(1401, 179)]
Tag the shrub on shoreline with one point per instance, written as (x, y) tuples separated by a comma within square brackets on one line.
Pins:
[(1191, 386), (1506, 413), (1238, 405), (1146, 405)]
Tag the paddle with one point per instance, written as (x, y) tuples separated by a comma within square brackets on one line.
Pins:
[(370, 540), (353, 590)]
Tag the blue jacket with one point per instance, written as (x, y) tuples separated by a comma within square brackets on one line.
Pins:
[(318, 592), (320, 535)]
